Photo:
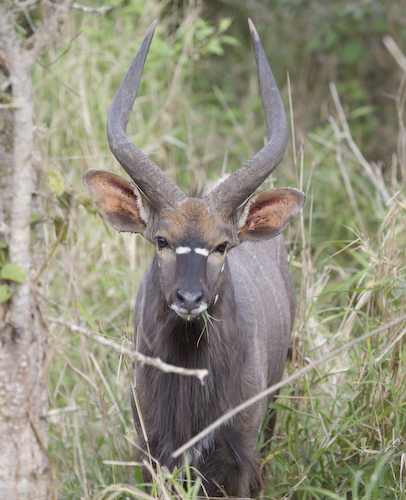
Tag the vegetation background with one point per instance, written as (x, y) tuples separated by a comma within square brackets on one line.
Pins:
[(341, 427)]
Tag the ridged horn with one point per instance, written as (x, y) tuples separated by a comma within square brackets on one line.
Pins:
[(228, 195), (158, 187)]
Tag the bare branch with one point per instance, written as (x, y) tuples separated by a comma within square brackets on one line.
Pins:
[(132, 353), (283, 383), (24, 5), (11, 105), (395, 51), (7, 35), (49, 27), (62, 54), (90, 10), (60, 411)]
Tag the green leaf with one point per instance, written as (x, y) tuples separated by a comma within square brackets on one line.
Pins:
[(33, 235), (13, 272), (56, 182), (5, 293), (85, 315), (58, 226), (214, 47), (230, 40), (361, 111), (225, 23), (3, 252), (35, 218), (352, 51)]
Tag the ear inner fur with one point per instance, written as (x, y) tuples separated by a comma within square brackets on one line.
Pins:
[(266, 214), (119, 200)]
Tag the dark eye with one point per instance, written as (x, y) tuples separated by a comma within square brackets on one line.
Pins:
[(222, 247), (161, 243)]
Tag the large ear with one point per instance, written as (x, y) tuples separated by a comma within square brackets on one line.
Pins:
[(265, 215), (120, 202)]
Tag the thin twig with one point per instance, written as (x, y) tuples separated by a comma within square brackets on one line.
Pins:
[(374, 176), (231, 116), (11, 105), (91, 10), (108, 388), (331, 146), (345, 176), (283, 383), (132, 353), (395, 51), (51, 253), (60, 411), (292, 123), (49, 27), (389, 347), (48, 65)]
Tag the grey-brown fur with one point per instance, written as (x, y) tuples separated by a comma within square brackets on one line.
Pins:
[(245, 351)]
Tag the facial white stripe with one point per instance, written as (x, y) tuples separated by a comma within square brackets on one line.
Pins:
[(222, 267), (202, 251), (181, 250)]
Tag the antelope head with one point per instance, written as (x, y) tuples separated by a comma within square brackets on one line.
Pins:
[(192, 236)]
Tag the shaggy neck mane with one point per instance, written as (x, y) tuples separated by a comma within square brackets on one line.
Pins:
[(177, 407)]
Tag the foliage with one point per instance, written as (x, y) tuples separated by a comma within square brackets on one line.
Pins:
[(340, 431), (319, 42), (8, 272)]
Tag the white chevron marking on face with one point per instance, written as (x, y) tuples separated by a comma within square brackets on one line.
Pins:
[(202, 251), (182, 250)]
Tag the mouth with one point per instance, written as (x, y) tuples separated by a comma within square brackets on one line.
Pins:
[(189, 315)]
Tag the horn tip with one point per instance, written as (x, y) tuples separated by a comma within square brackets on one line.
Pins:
[(253, 30), (151, 29)]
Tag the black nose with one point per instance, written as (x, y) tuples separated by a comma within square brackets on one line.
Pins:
[(189, 300)]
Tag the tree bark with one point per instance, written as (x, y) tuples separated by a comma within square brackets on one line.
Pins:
[(25, 471)]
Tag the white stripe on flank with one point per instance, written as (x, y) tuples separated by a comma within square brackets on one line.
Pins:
[(202, 251), (181, 250)]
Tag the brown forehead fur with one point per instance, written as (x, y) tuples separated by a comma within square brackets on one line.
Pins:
[(193, 220)]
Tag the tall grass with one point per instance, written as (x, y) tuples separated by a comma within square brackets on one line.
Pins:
[(341, 427)]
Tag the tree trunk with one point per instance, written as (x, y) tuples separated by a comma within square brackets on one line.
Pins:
[(24, 465)]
